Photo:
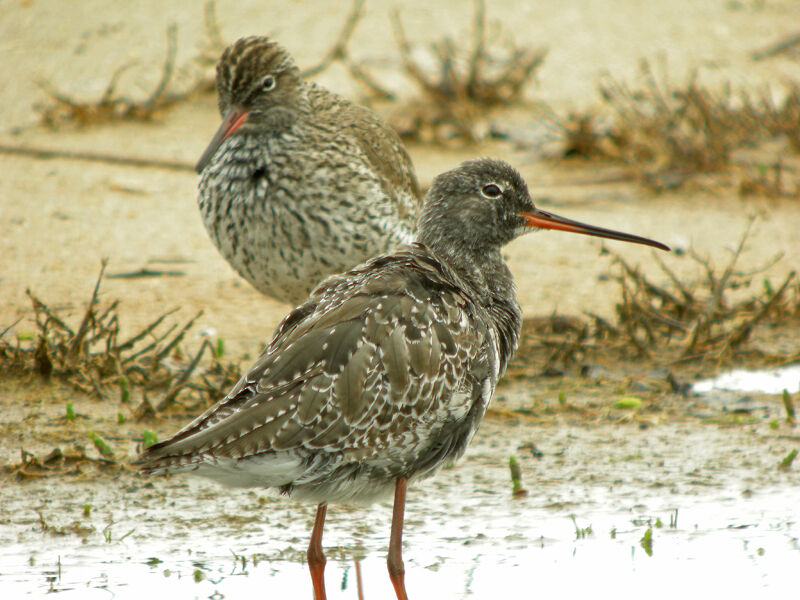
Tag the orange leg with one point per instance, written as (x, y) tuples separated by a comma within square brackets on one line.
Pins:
[(316, 558), (395, 561), (358, 580)]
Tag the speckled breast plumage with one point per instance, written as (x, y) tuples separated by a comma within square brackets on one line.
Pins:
[(286, 212)]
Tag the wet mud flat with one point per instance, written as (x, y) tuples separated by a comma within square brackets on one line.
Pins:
[(633, 506)]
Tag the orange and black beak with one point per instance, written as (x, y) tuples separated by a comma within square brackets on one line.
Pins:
[(546, 220), (232, 120)]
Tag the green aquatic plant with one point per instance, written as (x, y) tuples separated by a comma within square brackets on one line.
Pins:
[(148, 438), (647, 541), (789, 406), (787, 461), (581, 532), (124, 390), (516, 478), (673, 519), (101, 445), (628, 403)]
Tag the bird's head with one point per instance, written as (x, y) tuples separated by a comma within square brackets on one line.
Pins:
[(258, 85), (484, 203)]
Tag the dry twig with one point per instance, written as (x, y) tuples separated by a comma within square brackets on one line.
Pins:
[(668, 135), (707, 324), (110, 106), (466, 84), (113, 159), (339, 52), (787, 44)]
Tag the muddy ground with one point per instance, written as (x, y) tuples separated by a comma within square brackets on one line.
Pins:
[(619, 472)]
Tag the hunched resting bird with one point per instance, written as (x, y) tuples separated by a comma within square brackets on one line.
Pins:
[(385, 372), (298, 183)]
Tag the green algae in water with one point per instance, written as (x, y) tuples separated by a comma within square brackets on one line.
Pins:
[(148, 438), (788, 459), (124, 390), (581, 532), (101, 445), (647, 541), (516, 478), (628, 403)]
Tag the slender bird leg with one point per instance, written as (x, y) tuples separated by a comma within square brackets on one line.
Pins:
[(358, 580), (395, 561), (316, 558)]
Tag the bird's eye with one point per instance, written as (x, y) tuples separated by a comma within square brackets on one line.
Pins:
[(492, 191), (268, 83)]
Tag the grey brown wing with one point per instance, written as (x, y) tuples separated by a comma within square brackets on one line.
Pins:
[(349, 379), (389, 158), (380, 144)]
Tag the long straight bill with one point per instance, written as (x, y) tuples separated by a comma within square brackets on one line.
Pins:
[(546, 220)]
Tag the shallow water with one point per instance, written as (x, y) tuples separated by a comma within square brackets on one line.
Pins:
[(715, 552), (465, 535), (766, 381)]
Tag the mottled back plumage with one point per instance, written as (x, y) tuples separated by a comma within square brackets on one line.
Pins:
[(299, 183)]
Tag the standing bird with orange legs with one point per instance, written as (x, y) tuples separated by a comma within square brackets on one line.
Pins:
[(386, 371)]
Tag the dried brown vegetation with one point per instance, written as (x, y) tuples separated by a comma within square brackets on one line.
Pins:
[(197, 77), (776, 180), (711, 320), (668, 135), (339, 53), (92, 358), (701, 321), (62, 109), (465, 83)]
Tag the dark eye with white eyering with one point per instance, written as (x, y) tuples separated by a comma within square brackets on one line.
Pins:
[(492, 191), (268, 83)]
